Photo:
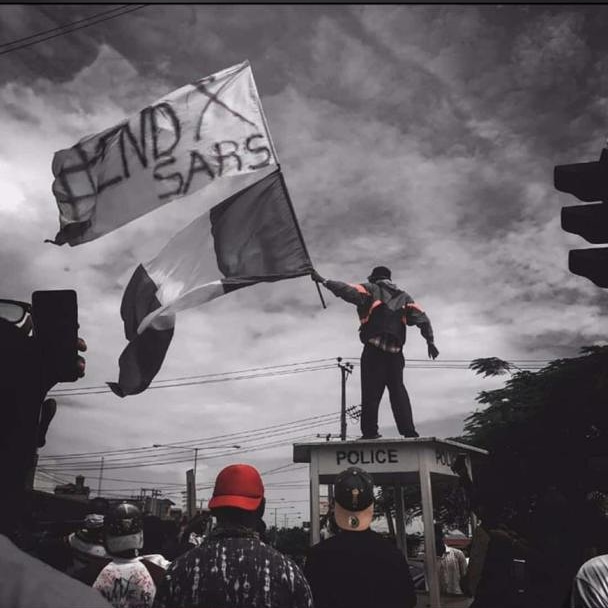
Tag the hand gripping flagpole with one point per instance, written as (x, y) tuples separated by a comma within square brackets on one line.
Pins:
[(276, 158)]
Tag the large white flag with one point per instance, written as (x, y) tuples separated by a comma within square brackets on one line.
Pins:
[(211, 128)]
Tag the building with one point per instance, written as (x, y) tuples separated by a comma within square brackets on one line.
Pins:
[(77, 491)]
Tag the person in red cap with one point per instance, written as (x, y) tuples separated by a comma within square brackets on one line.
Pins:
[(233, 568), (384, 312)]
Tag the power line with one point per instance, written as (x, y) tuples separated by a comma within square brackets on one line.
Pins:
[(130, 464), (60, 393), (167, 485), (204, 441), (212, 375), (64, 26), (28, 41), (132, 459), (278, 370)]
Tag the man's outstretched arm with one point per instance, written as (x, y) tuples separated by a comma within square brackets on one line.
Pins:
[(355, 294)]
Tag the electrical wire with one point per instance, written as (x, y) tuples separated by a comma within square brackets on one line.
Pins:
[(524, 364), (212, 375), (198, 382), (64, 26), (205, 441), (167, 485), (128, 465), (69, 28), (75, 463)]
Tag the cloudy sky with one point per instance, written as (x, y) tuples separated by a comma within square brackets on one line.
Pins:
[(418, 137)]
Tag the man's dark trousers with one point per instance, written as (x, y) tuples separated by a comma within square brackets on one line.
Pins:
[(380, 369)]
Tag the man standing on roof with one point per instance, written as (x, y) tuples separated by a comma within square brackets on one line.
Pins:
[(384, 312)]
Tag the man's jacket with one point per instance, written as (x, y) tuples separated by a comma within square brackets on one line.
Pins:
[(233, 568), (383, 309)]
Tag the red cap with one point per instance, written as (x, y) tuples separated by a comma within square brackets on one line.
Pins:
[(238, 485)]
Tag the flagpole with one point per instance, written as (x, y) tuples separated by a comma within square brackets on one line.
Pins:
[(297, 224), (276, 158)]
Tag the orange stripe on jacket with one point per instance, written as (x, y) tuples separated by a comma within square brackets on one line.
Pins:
[(360, 288), (375, 304), (410, 305), (414, 305)]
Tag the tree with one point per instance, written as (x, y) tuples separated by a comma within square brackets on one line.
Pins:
[(545, 429), (291, 541), (547, 434)]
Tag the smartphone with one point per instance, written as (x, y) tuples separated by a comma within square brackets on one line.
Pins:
[(55, 321)]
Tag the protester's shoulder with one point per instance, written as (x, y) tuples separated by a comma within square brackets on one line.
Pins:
[(370, 539), (276, 555), (157, 559), (322, 547), (29, 582), (382, 541), (596, 566)]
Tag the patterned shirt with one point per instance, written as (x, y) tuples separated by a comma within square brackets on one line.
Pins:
[(452, 567), (126, 583), (233, 569), (590, 588)]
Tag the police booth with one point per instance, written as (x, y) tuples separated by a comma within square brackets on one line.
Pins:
[(391, 462)]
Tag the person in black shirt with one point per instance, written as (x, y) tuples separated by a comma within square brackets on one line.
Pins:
[(357, 568)]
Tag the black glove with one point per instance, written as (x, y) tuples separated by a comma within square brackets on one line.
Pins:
[(432, 350), (316, 277)]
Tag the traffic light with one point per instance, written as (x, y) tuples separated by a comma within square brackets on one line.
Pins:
[(589, 183)]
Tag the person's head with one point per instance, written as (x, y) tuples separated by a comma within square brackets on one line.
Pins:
[(238, 497), (99, 505), (123, 530), (379, 273), (353, 500), (87, 544), (84, 549)]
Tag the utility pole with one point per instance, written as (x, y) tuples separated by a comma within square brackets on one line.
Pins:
[(100, 478), (345, 370)]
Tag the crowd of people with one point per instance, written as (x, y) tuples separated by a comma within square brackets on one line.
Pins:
[(112, 562), (125, 559)]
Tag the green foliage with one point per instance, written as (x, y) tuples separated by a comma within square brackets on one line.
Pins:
[(545, 428), (290, 541), (491, 366), (450, 504)]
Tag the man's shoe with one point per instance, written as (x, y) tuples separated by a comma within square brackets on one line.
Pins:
[(411, 435), (376, 436)]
